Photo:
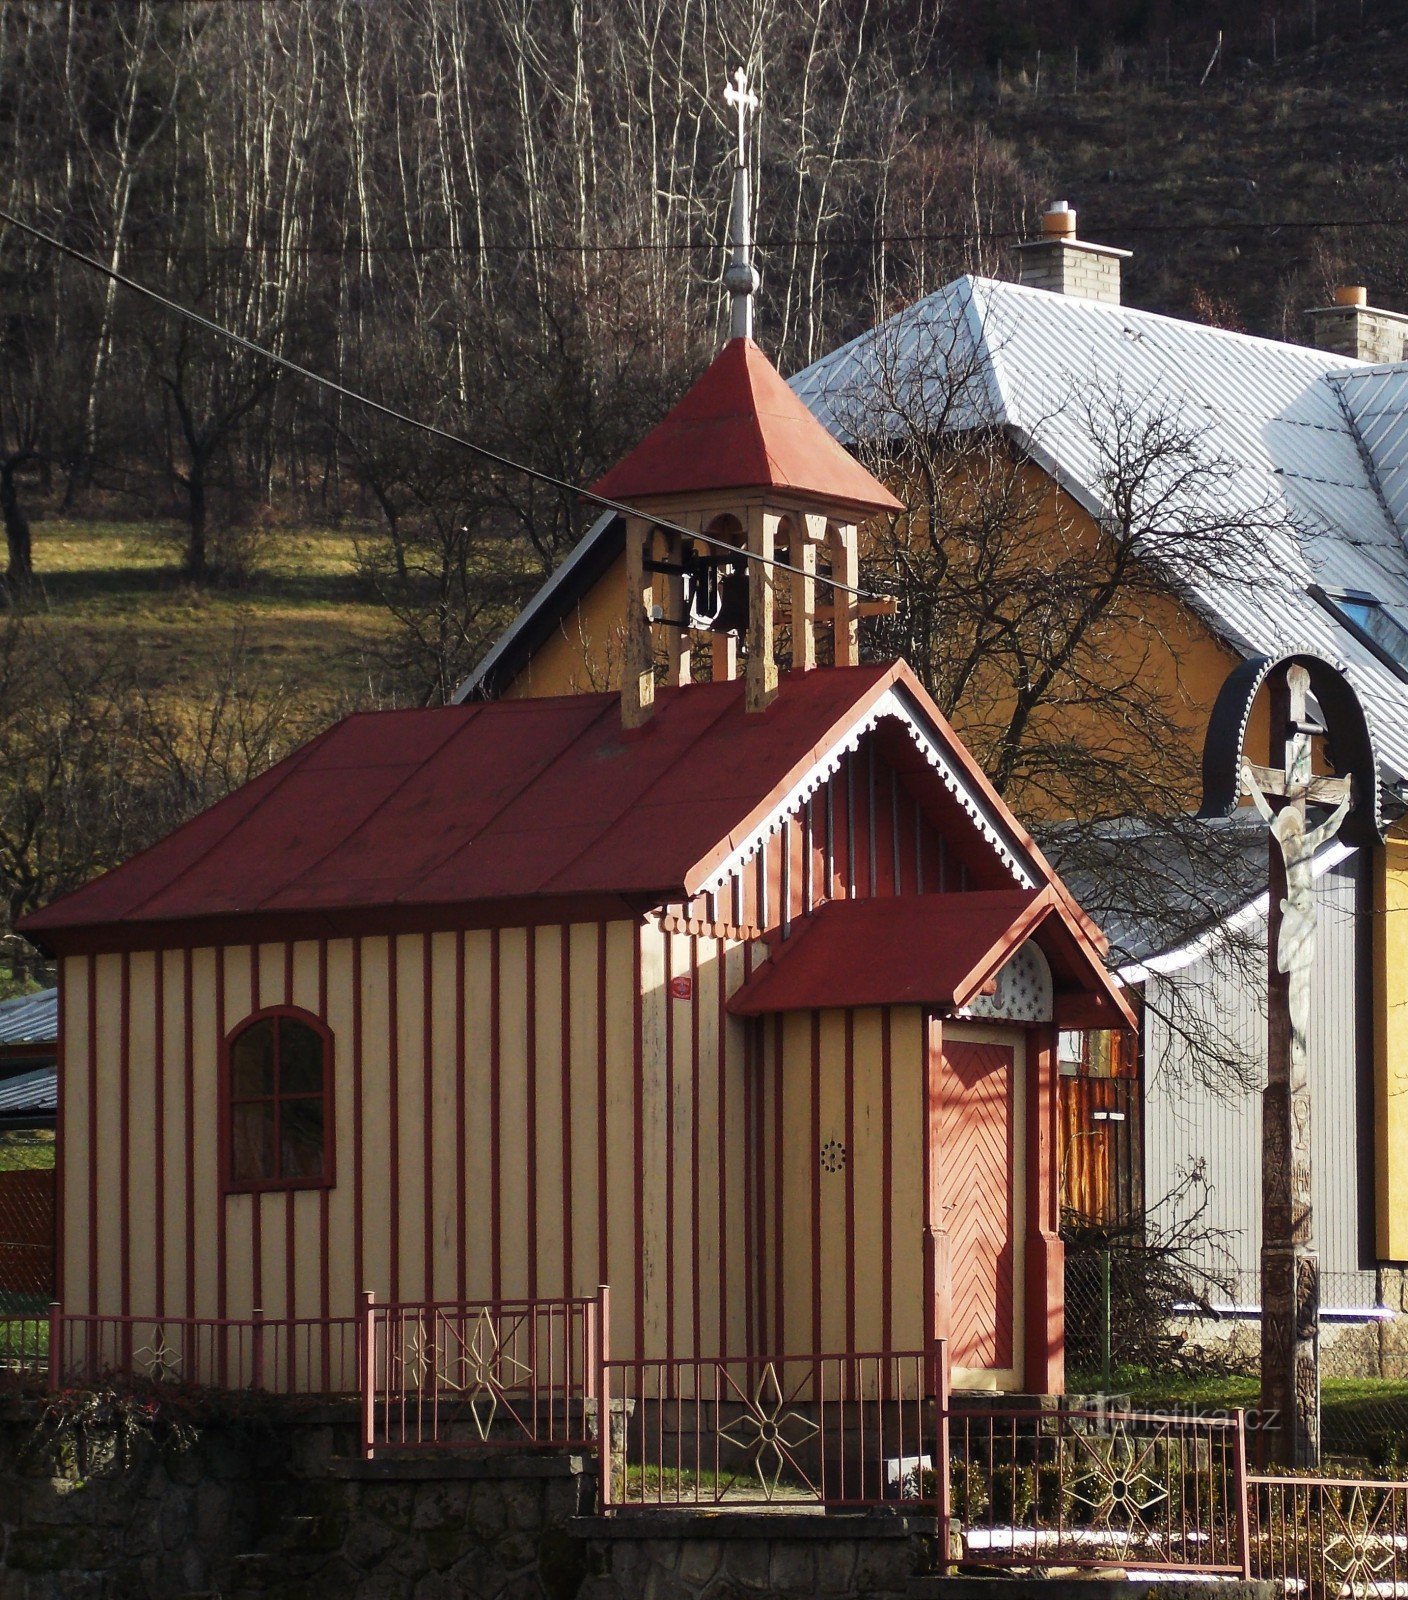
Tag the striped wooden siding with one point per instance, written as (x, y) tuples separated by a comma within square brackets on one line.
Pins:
[(860, 835), (499, 1133), (531, 1112), (839, 1180)]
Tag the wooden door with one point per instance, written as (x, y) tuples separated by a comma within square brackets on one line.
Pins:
[(976, 1158)]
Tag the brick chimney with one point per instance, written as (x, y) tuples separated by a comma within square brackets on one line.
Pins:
[(1060, 262), (1352, 327)]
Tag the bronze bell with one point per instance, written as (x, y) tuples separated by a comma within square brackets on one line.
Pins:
[(732, 615)]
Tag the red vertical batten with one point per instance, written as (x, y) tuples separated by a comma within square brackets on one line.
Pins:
[(256, 1201), (324, 1197), (779, 847), (603, 1243), (918, 848), (851, 1181), (1044, 1263), (393, 1114), (850, 767), (565, 1022), (669, 1025), (188, 1036), (937, 1310), (727, 1170), (358, 1235), (60, 1101), (159, 1133), (428, 1115), (222, 1244), (696, 1229), (828, 849), (461, 1130), (869, 811), (531, 1113), (815, 1020), (753, 1247), (902, 850), (124, 1147), (779, 1145), (638, 1115), (290, 1236), (808, 842), (496, 1129), (93, 1141), (887, 1179)]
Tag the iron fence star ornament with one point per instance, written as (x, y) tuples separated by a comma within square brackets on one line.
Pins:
[(1125, 1492), (482, 1368), (160, 1361), (768, 1432), (1359, 1551)]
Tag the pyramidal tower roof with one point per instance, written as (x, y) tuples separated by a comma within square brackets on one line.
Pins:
[(741, 427)]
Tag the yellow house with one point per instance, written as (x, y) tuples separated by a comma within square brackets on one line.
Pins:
[(1305, 444)]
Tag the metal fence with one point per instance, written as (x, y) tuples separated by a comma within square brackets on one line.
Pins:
[(1099, 1489), (492, 1372), (1329, 1537), (839, 1430), (1119, 1490)]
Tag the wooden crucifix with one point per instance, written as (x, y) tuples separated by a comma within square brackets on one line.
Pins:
[(1283, 795)]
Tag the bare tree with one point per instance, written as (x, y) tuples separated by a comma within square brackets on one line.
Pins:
[(1052, 630)]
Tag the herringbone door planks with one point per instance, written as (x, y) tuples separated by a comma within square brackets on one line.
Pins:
[(976, 1167)]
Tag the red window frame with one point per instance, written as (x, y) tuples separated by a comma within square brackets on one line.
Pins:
[(328, 1177)]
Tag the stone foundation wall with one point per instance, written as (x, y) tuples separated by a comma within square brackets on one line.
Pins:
[(661, 1556), (277, 1505)]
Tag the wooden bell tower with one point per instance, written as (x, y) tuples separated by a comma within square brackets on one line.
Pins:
[(741, 460)]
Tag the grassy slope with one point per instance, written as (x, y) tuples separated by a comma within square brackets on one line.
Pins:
[(306, 620), (1255, 145)]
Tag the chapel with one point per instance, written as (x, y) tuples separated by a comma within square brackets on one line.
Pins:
[(737, 990)]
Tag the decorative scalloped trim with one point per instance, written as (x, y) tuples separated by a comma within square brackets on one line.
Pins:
[(890, 704), (1025, 991)]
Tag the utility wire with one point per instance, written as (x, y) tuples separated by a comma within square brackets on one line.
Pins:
[(482, 451), (779, 242)]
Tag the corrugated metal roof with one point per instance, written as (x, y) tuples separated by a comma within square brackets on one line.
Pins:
[(1288, 422), (30, 1018), (31, 1094)]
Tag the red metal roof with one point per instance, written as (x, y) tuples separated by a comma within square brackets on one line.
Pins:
[(534, 810), (482, 802), (931, 949), (741, 427)]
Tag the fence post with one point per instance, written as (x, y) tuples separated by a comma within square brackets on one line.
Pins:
[(258, 1375), (943, 1487), (1244, 1521), (605, 1453), (366, 1319), (56, 1346)]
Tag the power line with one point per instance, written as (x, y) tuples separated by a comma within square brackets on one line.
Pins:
[(354, 247), (443, 434)]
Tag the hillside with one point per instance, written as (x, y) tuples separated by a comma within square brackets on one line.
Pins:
[(1212, 187), (305, 622)]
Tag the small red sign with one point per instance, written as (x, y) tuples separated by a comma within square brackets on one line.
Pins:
[(682, 988)]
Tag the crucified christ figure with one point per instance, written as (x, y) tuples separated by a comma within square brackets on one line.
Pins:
[(1299, 845)]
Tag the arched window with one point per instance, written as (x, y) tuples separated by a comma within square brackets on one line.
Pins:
[(278, 1103)]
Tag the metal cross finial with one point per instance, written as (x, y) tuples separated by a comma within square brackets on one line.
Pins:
[(739, 95)]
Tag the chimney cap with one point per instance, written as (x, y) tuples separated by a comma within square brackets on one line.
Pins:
[(1059, 218), (1351, 294)]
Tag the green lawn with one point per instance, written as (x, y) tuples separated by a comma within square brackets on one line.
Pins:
[(307, 621), (1360, 1418), (26, 1150)]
